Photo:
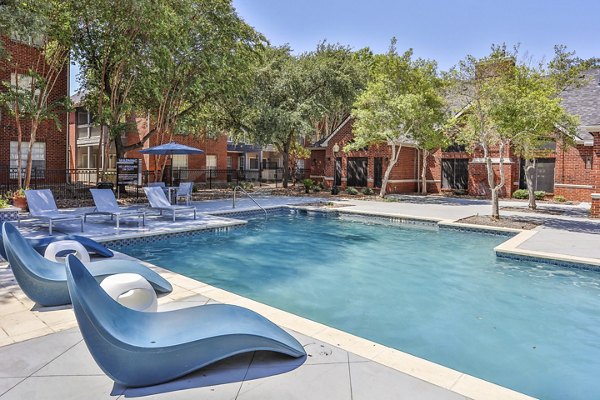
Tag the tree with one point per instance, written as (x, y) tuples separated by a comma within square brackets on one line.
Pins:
[(200, 59), (31, 95), (110, 44), (477, 82), (400, 105), (528, 110), (168, 58), (290, 95)]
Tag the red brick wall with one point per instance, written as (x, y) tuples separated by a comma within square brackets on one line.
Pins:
[(570, 171), (402, 178), (595, 210), (317, 165), (23, 58), (216, 147)]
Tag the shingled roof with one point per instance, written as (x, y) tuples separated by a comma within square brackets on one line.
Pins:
[(585, 102)]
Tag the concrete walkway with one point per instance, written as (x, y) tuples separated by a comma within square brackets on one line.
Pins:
[(564, 230)]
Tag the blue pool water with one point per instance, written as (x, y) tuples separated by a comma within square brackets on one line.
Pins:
[(440, 295)]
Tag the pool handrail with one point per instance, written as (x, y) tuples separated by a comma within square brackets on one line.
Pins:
[(251, 198)]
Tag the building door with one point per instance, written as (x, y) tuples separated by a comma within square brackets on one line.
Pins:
[(337, 177), (357, 171), (455, 173), (543, 178), (377, 171)]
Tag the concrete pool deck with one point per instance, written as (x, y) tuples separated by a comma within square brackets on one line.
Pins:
[(339, 366)]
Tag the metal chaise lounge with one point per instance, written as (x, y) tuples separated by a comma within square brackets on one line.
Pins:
[(158, 201), (184, 191), (106, 204), (40, 244), (45, 281), (147, 348), (42, 206)]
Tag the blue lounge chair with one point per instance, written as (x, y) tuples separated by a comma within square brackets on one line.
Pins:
[(158, 201), (40, 245), (143, 348), (106, 204), (45, 281), (42, 206)]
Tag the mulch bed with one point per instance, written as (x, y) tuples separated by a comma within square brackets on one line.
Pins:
[(503, 222)]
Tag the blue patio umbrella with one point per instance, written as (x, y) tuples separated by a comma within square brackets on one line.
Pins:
[(171, 148)]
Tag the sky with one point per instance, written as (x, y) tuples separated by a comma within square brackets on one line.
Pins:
[(445, 31)]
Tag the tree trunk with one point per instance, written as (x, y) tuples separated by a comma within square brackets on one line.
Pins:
[(32, 136), (529, 171), (388, 170), (19, 133), (424, 172), (286, 160), (495, 189)]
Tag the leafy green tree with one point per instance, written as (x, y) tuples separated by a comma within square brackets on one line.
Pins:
[(111, 44), (201, 58), (402, 104), (47, 24), (528, 110), (290, 95), (477, 82), (174, 59)]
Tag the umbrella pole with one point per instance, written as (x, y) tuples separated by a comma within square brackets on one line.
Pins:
[(171, 169)]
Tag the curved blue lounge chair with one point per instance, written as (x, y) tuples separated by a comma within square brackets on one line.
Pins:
[(45, 281), (40, 245), (141, 348)]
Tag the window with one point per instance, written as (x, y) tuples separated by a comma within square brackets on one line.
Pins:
[(180, 161), (87, 157), (38, 157), (229, 162), (26, 85), (180, 166), (211, 165), (242, 163), (587, 160), (254, 163), (83, 117)]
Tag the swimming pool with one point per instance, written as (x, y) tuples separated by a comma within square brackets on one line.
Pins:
[(441, 294)]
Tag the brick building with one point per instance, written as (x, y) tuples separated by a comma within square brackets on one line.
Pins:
[(220, 155), (50, 150), (572, 172)]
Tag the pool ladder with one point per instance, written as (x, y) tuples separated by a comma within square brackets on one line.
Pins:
[(251, 198)]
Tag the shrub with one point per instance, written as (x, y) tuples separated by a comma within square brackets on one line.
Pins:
[(540, 195), (352, 191), (4, 202), (367, 191), (308, 184), (559, 199), (520, 194), (316, 188)]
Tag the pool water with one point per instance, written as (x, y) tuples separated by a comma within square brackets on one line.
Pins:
[(441, 294)]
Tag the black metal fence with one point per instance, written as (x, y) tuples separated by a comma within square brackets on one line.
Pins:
[(75, 183)]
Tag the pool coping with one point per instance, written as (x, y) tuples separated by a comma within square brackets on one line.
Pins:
[(507, 249)]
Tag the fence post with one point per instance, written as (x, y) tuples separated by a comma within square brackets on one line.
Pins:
[(35, 178), (209, 178)]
